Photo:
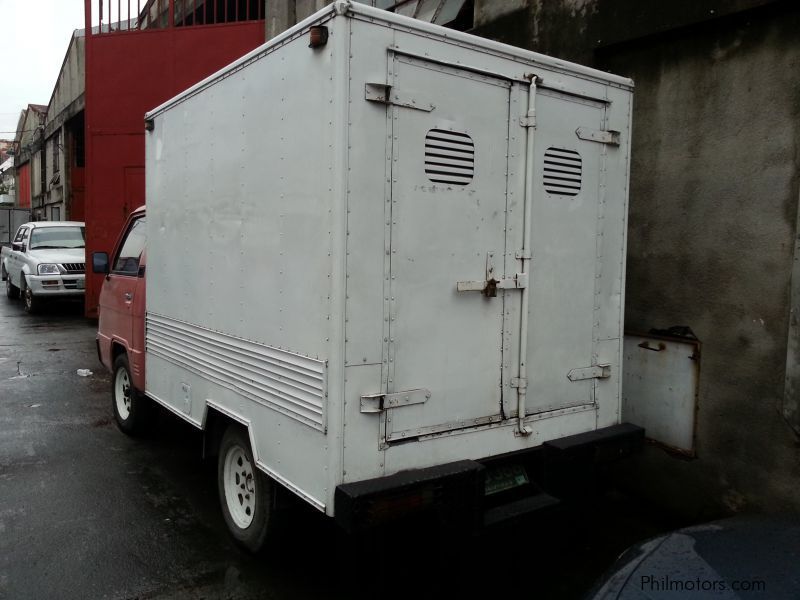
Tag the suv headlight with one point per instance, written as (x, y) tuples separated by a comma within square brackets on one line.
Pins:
[(48, 269)]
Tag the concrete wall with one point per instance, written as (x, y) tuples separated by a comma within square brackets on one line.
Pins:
[(37, 189), (56, 175), (283, 14), (27, 141), (713, 214), (28, 125), (71, 82), (714, 196)]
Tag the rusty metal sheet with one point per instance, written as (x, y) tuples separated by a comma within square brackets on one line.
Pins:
[(659, 388)]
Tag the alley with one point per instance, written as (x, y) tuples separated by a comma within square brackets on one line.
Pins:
[(86, 512)]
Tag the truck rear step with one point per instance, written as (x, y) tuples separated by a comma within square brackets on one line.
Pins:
[(512, 510)]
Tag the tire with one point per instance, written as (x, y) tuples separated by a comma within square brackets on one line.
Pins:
[(130, 406), (12, 291), (245, 493), (32, 303)]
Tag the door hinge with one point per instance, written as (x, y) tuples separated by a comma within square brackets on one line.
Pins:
[(594, 372), (386, 94), (612, 138), (373, 403), (519, 382)]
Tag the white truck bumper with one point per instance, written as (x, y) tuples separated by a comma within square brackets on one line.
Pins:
[(56, 285)]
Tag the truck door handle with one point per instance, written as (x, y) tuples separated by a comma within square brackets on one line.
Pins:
[(128, 296), (489, 287)]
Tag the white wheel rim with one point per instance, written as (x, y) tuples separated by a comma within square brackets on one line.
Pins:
[(122, 393), (240, 486)]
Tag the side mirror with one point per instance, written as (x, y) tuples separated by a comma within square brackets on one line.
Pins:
[(16, 246), (23, 247), (100, 263)]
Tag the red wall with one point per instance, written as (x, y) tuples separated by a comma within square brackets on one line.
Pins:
[(127, 74), (24, 191), (77, 177)]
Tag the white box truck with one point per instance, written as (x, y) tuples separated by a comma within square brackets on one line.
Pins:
[(386, 267)]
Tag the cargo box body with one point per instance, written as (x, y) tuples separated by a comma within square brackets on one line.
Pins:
[(337, 251)]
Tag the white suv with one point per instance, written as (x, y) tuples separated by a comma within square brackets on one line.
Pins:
[(46, 259)]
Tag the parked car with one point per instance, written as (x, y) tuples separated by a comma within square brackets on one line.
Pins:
[(748, 556), (46, 260)]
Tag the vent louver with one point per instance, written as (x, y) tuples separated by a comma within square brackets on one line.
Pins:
[(449, 157), (562, 172)]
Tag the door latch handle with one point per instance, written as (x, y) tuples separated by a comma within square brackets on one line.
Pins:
[(490, 291), (128, 296), (489, 287)]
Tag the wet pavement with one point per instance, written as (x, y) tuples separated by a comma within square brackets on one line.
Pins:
[(86, 512)]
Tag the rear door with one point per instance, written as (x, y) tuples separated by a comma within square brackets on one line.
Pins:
[(448, 219), (566, 235)]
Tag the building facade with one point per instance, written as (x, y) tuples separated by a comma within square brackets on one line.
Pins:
[(27, 142), (62, 154)]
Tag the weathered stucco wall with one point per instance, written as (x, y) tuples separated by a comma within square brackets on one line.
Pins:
[(71, 83), (282, 15), (713, 213), (714, 195)]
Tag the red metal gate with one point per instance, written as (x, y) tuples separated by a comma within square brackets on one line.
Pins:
[(138, 55)]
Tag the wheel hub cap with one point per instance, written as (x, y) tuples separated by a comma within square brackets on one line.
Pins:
[(122, 393), (239, 484)]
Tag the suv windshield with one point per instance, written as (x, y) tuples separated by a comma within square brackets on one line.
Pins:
[(57, 237)]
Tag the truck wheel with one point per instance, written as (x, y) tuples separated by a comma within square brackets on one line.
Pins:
[(129, 405), (12, 291), (32, 303), (245, 492)]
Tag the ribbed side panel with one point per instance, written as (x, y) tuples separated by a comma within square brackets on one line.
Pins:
[(289, 383)]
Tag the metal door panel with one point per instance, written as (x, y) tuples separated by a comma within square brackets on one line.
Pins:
[(659, 388), (443, 341), (565, 232)]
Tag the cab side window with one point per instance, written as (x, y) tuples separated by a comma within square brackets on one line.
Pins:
[(127, 260), (20, 234)]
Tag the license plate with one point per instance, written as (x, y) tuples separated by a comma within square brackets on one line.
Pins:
[(80, 284), (505, 478)]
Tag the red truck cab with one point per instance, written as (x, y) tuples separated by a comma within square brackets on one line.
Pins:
[(120, 332)]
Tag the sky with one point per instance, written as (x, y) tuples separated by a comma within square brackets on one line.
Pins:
[(36, 35)]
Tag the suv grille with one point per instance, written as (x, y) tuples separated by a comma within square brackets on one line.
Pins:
[(74, 267)]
